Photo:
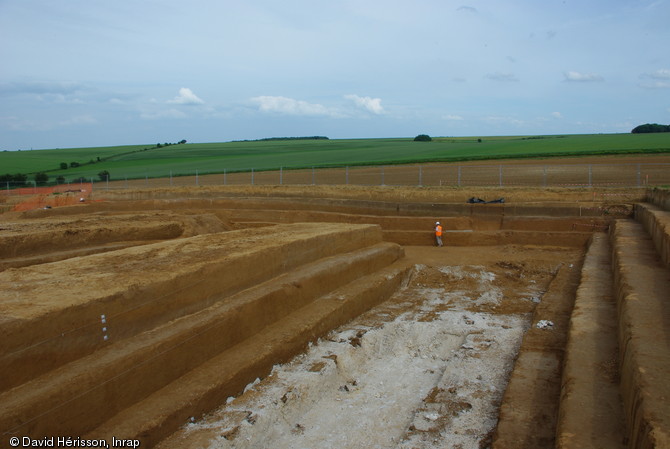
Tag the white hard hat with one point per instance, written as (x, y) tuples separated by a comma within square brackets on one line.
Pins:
[(437, 222)]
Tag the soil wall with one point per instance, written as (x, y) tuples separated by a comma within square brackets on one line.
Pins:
[(52, 312), (143, 365), (659, 197), (657, 223)]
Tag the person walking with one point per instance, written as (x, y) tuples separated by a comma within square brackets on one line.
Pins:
[(438, 233)]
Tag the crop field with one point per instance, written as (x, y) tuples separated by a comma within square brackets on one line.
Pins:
[(149, 161)]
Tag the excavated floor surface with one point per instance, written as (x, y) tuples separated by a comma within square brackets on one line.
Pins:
[(428, 368)]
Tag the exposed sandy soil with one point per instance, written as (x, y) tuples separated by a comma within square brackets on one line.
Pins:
[(426, 369)]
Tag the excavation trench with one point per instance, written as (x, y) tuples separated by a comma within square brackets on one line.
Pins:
[(428, 368), (287, 322)]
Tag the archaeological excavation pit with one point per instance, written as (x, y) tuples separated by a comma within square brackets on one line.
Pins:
[(325, 317)]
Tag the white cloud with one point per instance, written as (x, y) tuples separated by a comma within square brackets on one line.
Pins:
[(186, 96), (79, 120), (59, 98), (557, 114), (15, 123), (452, 117), (572, 76), (659, 79), (163, 114), (40, 88), (290, 106), (661, 74), (469, 9), (504, 120), (657, 84), (48, 92), (504, 77), (373, 105)]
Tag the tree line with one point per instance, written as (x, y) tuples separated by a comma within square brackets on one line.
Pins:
[(651, 128), (268, 139), (41, 179)]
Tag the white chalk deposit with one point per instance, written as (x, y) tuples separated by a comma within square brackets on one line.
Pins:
[(425, 376)]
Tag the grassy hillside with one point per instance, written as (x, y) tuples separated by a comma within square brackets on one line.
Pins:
[(145, 160)]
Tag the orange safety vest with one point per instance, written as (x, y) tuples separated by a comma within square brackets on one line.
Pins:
[(438, 230)]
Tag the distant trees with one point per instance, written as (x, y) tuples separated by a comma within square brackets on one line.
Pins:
[(41, 178), (423, 138), (18, 179), (104, 175), (167, 144), (63, 165), (268, 139), (651, 128)]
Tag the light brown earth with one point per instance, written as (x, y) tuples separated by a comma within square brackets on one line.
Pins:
[(474, 370)]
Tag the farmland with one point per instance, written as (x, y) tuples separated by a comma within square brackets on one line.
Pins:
[(141, 161)]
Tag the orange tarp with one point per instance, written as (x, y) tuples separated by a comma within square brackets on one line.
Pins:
[(44, 197)]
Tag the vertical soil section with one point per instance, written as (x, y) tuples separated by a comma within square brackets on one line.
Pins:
[(529, 411), (46, 323), (591, 411), (642, 283)]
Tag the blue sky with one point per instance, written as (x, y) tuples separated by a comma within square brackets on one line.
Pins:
[(80, 73)]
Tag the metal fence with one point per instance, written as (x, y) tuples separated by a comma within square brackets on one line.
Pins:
[(456, 175)]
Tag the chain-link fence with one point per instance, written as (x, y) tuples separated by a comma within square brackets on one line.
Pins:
[(502, 175), (457, 175)]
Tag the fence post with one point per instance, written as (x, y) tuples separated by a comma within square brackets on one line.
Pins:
[(420, 176), (224, 176), (281, 175), (500, 175), (312, 175), (196, 177), (639, 175), (383, 178), (252, 176), (590, 175), (107, 182), (459, 176), (346, 174), (544, 176), (170, 178)]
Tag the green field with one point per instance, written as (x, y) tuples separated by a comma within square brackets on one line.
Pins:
[(141, 161)]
